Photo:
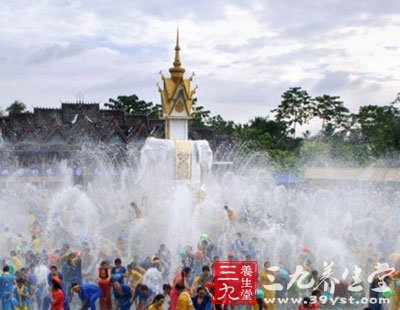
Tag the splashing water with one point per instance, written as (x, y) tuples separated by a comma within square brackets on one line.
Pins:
[(342, 222)]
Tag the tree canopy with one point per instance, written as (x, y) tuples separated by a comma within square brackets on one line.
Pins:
[(295, 108), (16, 107), (133, 105), (331, 111), (371, 133)]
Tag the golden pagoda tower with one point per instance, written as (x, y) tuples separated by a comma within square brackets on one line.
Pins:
[(176, 98)]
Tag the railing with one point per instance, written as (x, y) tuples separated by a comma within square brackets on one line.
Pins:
[(353, 174)]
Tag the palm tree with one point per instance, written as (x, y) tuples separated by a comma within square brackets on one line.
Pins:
[(16, 107)]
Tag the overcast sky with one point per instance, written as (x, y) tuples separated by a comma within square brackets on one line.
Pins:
[(245, 53)]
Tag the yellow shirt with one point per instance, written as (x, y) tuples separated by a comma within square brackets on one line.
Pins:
[(184, 302), (17, 263), (153, 307), (264, 280), (231, 215), (136, 278), (36, 246)]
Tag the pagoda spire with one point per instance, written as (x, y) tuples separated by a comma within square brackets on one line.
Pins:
[(177, 71), (177, 99), (177, 62)]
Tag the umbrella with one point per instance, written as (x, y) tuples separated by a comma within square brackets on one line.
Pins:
[(286, 178)]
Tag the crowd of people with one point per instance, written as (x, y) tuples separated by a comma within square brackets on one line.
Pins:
[(39, 276), (34, 279)]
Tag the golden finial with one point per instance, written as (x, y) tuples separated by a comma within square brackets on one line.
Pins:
[(177, 62), (177, 71)]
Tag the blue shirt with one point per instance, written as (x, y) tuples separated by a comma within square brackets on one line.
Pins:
[(373, 294), (117, 274), (125, 298), (87, 291), (21, 301), (144, 297), (6, 285), (205, 305), (72, 272), (32, 280)]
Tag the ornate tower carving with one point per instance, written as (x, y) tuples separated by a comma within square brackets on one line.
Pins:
[(176, 98)]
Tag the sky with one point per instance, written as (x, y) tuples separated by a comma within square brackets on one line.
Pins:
[(245, 54)]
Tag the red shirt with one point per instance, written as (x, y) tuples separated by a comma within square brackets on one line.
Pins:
[(103, 273), (58, 300)]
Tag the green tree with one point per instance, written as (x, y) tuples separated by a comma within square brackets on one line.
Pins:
[(380, 128), (220, 125), (269, 135), (295, 108), (132, 105), (199, 116), (332, 112), (274, 128), (16, 107)]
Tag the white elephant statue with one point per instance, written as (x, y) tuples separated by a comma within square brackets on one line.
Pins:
[(180, 160)]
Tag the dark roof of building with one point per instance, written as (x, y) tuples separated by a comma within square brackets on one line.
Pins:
[(77, 123)]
